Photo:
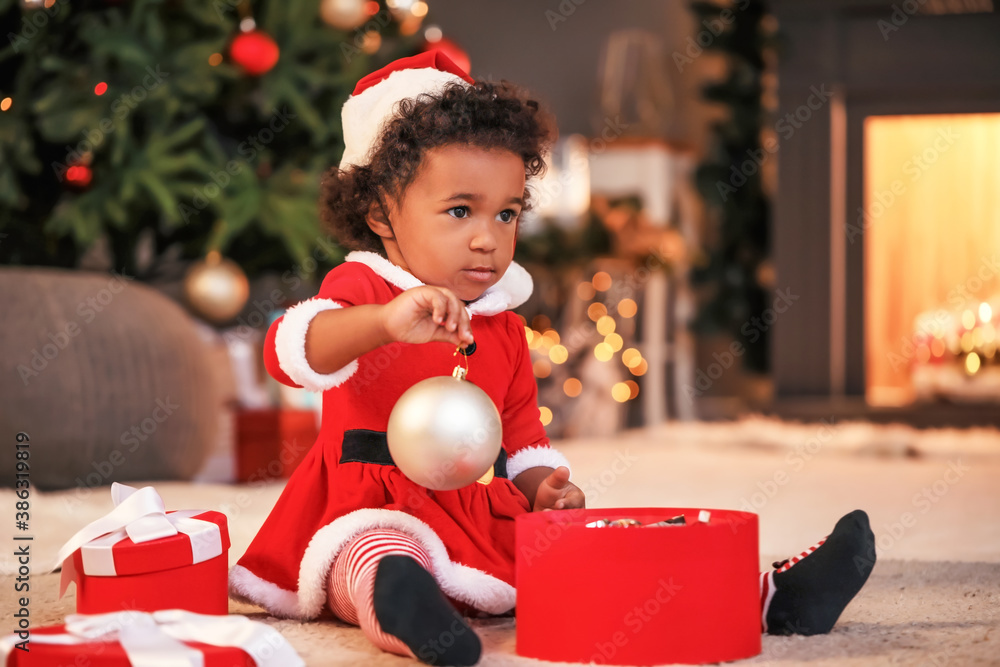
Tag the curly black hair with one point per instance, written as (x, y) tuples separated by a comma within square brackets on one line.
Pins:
[(485, 115)]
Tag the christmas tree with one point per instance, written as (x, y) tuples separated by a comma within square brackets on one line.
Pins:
[(192, 124), (736, 273)]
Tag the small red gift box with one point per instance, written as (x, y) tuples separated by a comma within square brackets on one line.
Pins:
[(271, 443), (638, 595), (147, 559), (167, 637)]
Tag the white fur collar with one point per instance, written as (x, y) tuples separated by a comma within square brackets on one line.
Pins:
[(511, 290)]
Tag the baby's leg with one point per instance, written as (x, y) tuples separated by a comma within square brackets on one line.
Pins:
[(381, 581), (806, 594)]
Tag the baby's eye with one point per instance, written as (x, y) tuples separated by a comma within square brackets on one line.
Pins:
[(459, 212), (507, 215)]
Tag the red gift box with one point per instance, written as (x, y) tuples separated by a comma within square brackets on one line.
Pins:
[(136, 639), (270, 444), (638, 595), (184, 570)]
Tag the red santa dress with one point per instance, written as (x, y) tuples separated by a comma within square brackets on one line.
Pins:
[(330, 499)]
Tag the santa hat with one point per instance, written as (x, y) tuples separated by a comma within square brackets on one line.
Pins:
[(373, 103)]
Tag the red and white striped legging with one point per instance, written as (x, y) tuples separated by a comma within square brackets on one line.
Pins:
[(352, 581)]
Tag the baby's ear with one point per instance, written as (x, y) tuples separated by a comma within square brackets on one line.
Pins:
[(378, 221)]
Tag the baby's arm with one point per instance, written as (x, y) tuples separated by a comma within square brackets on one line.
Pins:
[(547, 488), (419, 315)]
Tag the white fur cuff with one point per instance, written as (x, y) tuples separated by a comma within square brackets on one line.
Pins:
[(290, 344), (532, 457)]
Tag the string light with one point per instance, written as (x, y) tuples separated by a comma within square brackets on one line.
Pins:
[(601, 281), (606, 325), (215, 59), (631, 357), (615, 341), (627, 308), (542, 368), (586, 291), (620, 392), (558, 354), (985, 312), (5, 104), (972, 363), (968, 319), (596, 311), (545, 415), (100, 88), (603, 352), (640, 368), (572, 387), (633, 387)]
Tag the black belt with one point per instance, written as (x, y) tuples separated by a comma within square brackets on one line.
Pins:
[(364, 446)]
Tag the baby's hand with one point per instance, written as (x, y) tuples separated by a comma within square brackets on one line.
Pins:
[(556, 492), (427, 313)]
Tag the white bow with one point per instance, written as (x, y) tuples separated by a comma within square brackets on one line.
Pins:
[(154, 640), (140, 515)]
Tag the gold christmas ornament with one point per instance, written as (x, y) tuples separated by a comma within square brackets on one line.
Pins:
[(216, 288), (444, 433), (343, 14)]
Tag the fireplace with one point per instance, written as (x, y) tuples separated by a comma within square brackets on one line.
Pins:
[(872, 187), (931, 228)]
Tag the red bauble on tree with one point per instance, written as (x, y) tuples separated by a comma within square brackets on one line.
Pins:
[(255, 51)]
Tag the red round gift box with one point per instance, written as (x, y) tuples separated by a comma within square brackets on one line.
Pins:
[(640, 595)]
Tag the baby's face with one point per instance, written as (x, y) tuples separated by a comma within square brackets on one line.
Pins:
[(456, 223)]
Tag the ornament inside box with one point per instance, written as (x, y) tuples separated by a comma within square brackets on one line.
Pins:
[(141, 557), (645, 594)]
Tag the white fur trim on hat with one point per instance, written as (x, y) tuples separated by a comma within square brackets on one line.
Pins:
[(532, 457), (460, 582), (365, 114), (513, 288), (290, 345)]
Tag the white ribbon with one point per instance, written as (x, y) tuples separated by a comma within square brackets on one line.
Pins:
[(140, 516), (154, 640)]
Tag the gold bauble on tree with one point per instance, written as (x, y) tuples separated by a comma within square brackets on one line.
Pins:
[(343, 14), (444, 433), (216, 288)]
